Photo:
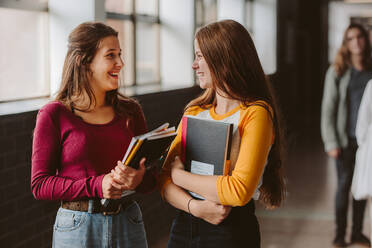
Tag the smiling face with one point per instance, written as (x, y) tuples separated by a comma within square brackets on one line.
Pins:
[(201, 68), (106, 65), (355, 41)]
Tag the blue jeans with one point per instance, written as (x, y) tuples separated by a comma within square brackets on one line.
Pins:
[(82, 229), (345, 169), (240, 229)]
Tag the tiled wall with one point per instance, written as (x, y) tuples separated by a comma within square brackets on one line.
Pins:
[(26, 222)]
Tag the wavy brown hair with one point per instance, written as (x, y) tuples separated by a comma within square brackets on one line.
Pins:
[(236, 71), (343, 61), (83, 43)]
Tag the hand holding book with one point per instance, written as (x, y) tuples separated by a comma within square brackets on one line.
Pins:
[(151, 146), (128, 178)]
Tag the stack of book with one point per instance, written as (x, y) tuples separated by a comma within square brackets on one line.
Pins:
[(151, 145)]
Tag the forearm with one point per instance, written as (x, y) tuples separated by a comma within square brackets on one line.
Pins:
[(329, 110), (207, 210), (200, 184), (60, 188), (177, 197)]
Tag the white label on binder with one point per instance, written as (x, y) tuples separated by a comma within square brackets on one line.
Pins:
[(201, 168)]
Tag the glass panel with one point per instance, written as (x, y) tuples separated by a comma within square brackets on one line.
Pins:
[(147, 53), (264, 33), (125, 29), (147, 7), (24, 54), (119, 6)]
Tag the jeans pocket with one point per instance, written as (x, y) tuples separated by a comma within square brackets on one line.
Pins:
[(134, 214), (68, 220)]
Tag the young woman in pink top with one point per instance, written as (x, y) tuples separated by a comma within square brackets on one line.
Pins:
[(79, 140), (236, 91)]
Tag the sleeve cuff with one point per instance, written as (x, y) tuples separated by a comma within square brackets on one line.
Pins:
[(331, 145), (162, 187), (98, 186)]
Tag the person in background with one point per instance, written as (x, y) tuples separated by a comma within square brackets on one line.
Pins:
[(362, 183), (79, 140), (344, 85), (237, 91), (370, 35)]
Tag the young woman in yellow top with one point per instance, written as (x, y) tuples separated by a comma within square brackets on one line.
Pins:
[(236, 91)]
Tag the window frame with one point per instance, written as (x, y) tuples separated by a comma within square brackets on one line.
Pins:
[(135, 18)]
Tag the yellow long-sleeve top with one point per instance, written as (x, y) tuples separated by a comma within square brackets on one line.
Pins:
[(253, 135)]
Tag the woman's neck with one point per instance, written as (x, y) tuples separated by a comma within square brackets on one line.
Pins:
[(84, 102), (225, 104), (357, 62)]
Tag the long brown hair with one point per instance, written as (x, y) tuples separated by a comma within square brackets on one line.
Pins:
[(236, 71), (343, 61), (83, 43)]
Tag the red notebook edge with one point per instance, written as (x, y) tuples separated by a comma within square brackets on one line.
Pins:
[(183, 138)]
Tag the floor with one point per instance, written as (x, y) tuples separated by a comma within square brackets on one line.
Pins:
[(306, 219)]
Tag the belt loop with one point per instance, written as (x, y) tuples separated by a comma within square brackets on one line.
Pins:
[(91, 206)]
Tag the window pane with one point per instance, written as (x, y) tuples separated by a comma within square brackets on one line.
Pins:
[(264, 33), (119, 6), (148, 7), (24, 54), (125, 29), (147, 53)]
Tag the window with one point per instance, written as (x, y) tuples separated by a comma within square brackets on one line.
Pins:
[(260, 20), (205, 12), (138, 24), (24, 50)]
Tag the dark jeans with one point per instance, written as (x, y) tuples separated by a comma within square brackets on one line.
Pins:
[(345, 169), (240, 229)]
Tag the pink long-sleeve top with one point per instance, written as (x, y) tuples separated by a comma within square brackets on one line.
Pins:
[(70, 156)]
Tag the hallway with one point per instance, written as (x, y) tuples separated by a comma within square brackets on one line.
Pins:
[(306, 219)]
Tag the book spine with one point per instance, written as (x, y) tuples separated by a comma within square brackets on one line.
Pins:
[(226, 167), (229, 140), (183, 138), (133, 153)]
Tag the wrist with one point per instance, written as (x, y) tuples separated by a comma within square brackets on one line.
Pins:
[(191, 206), (100, 186), (188, 205)]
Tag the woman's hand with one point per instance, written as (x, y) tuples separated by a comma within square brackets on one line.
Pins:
[(209, 211), (110, 189), (334, 153), (176, 166), (127, 177)]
